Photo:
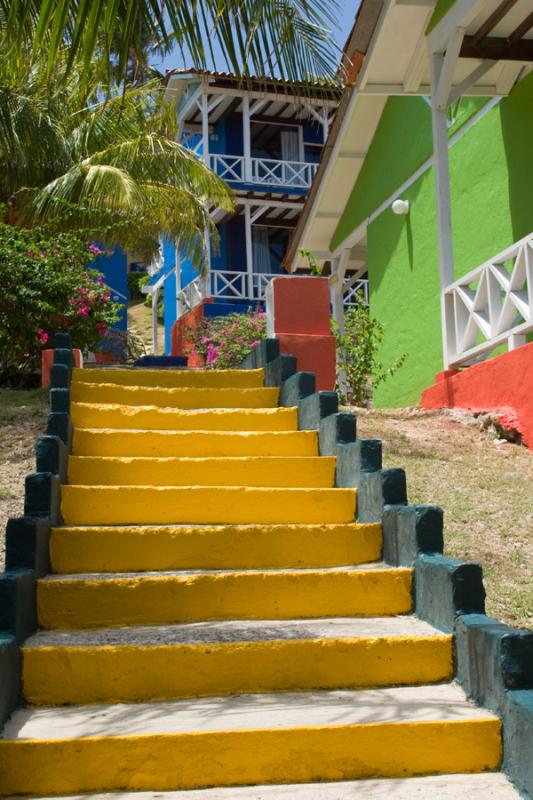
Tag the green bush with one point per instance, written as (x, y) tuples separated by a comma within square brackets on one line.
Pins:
[(224, 342), (358, 367), (47, 286), (136, 280)]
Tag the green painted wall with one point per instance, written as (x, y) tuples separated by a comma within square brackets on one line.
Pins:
[(442, 8), (401, 144), (490, 175)]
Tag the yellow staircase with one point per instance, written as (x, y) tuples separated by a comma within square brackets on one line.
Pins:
[(216, 618)]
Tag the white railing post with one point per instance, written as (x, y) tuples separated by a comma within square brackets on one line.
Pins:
[(246, 139)]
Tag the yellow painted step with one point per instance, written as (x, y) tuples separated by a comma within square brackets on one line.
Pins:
[(153, 505), (119, 665), (144, 548), (173, 398), (281, 738), (193, 444), (95, 415), (289, 471), (96, 601), (218, 379)]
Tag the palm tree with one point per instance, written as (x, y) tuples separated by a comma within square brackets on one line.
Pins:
[(102, 163), (284, 38)]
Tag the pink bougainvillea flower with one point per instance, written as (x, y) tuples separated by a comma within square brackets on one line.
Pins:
[(212, 353), (83, 311), (100, 280), (96, 250), (101, 327), (42, 336)]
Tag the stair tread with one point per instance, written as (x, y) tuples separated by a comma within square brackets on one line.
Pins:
[(163, 378), (485, 786), (374, 566), (436, 703), (326, 527), (239, 631)]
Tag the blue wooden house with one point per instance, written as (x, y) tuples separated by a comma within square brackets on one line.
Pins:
[(265, 140)]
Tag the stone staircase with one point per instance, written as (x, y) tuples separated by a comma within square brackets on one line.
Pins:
[(216, 618)]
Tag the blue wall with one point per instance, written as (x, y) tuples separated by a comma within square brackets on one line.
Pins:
[(114, 268)]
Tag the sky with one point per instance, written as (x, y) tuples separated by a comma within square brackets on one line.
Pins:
[(347, 9)]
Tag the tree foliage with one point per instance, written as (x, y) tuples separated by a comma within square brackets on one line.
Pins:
[(285, 38), (104, 164)]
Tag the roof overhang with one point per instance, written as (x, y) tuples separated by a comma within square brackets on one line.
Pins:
[(494, 52)]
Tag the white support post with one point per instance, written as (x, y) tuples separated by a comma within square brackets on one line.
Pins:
[(442, 187), (205, 128), (246, 139), (337, 288), (155, 331), (249, 248), (177, 270)]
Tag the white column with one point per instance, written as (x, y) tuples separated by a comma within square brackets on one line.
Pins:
[(246, 139), (155, 331), (205, 127), (249, 248), (337, 288), (177, 271), (443, 199)]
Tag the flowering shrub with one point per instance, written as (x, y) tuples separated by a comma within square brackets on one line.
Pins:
[(47, 286), (359, 369), (224, 342)]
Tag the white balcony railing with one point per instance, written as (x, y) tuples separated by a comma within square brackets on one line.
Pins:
[(354, 289), (232, 285), (264, 171), (491, 305)]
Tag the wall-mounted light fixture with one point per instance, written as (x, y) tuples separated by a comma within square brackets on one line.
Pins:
[(400, 207)]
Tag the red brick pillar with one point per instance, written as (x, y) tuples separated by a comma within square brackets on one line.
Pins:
[(298, 314)]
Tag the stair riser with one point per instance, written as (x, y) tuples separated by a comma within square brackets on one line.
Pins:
[(311, 472), (91, 415), (226, 758), (128, 673), (194, 444), (151, 600), (245, 547), (220, 379), (174, 398), (111, 505)]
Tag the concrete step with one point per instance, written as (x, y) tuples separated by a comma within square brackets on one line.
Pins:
[(247, 739), (485, 786), (266, 471), (192, 444), (140, 548), (95, 601), (181, 397), (152, 505), (118, 665), (172, 378), (101, 415)]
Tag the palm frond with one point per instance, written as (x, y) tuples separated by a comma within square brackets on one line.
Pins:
[(288, 38)]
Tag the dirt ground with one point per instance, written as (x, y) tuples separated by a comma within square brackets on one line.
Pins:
[(484, 484)]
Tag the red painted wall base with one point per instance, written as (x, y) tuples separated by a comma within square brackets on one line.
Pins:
[(503, 384), (315, 354), (179, 335)]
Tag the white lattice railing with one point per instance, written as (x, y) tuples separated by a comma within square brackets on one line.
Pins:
[(294, 174), (233, 285), (491, 305), (354, 289), (229, 168), (226, 285), (192, 295), (264, 171)]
